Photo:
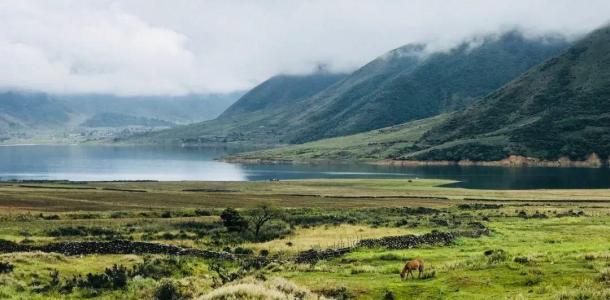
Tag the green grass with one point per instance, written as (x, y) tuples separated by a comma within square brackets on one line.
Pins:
[(378, 144), (566, 256), (556, 249)]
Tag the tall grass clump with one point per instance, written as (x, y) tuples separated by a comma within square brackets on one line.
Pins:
[(253, 289)]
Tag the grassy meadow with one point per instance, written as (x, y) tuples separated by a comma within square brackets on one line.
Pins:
[(542, 244)]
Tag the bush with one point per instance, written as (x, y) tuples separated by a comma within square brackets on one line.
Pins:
[(388, 295), (496, 256), (589, 257), (341, 293), (49, 217), (243, 251), (168, 290), (6, 267), (158, 268), (202, 212), (233, 221), (112, 278), (272, 231), (521, 259), (604, 275)]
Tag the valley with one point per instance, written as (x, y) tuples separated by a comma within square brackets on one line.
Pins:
[(305, 150)]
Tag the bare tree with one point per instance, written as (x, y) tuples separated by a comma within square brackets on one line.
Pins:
[(260, 215)]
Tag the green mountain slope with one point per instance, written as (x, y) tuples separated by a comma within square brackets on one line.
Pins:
[(279, 91), (256, 118), (403, 85), (385, 143), (560, 108), (436, 83)]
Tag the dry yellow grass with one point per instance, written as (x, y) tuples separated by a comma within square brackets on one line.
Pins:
[(327, 237), (275, 288)]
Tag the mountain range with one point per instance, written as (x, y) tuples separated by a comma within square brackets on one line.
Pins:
[(487, 99), (24, 114), (405, 84), (558, 110)]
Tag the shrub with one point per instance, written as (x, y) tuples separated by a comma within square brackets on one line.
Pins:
[(521, 259), (6, 267), (202, 212), (440, 222), (340, 293), (158, 268), (496, 256), (272, 231), (401, 222), (168, 290), (539, 215), (115, 277), (388, 295), (49, 217), (243, 251), (604, 275), (589, 257), (233, 221), (533, 279)]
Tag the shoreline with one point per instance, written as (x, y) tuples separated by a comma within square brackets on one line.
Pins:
[(513, 161)]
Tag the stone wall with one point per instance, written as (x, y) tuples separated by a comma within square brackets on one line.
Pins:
[(111, 247)]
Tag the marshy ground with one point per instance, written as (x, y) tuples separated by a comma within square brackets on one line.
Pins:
[(541, 244)]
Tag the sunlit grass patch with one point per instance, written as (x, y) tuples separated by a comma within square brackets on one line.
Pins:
[(328, 236)]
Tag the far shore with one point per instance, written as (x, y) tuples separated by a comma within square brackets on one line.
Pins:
[(512, 161)]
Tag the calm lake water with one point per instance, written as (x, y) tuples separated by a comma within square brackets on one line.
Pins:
[(95, 163)]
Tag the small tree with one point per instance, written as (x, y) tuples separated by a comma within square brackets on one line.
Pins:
[(233, 221), (259, 216)]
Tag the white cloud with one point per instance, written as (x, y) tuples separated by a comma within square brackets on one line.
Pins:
[(175, 47)]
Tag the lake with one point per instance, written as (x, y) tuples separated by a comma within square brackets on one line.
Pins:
[(105, 163)]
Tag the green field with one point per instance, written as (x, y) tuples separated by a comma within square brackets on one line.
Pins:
[(542, 244), (385, 143)]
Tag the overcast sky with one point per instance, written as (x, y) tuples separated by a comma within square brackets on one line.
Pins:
[(175, 47)]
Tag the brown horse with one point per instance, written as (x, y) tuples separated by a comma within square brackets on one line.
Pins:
[(416, 264)]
